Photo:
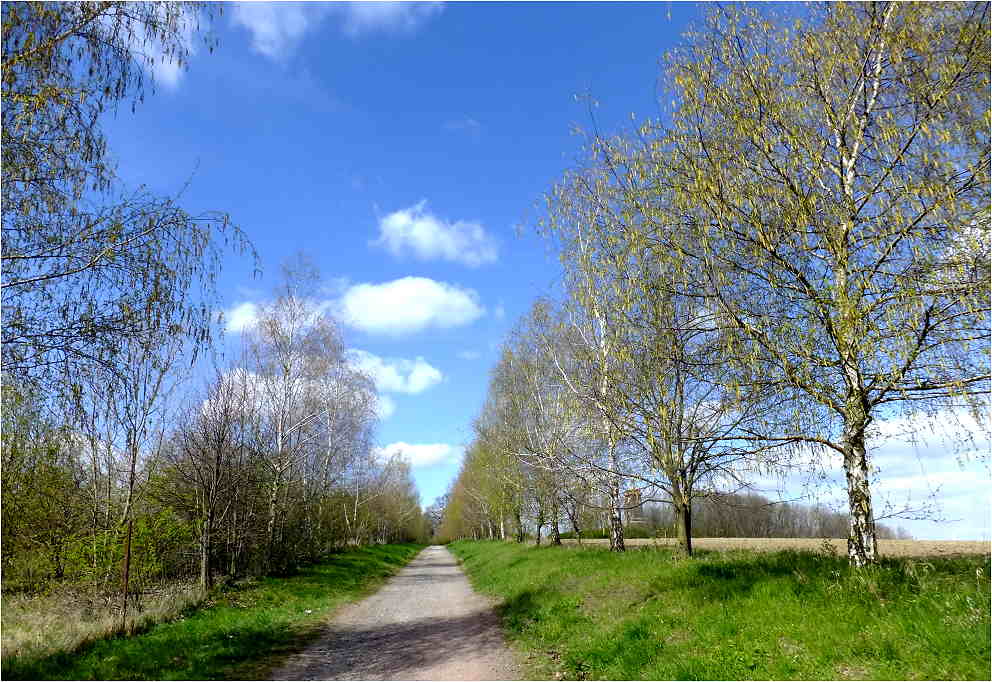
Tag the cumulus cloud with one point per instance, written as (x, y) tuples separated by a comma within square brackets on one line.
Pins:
[(164, 69), (396, 375), (925, 477), (408, 305), (418, 231), (241, 317), (360, 18), (421, 455), (385, 406), (276, 28)]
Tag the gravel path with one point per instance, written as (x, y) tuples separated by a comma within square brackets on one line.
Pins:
[(426, 623)]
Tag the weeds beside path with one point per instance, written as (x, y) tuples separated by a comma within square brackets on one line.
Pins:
[(241, 632), (584, 613)]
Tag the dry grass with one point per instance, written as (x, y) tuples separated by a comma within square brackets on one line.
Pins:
[(36, 626), (890, 548), (240, 633)]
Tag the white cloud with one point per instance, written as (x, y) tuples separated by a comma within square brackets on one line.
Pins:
[(469, 354), (926, 479), (335, 286), (277, 27), (428, 237), (166, 72), (241, 317), (500, 312), (385, 406), (937, 479), (423, 455), (408, 305), (163, 69), (387, 17), (396, 375), (468, 126)]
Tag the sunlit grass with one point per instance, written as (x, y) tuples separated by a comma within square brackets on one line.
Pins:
[(240, 632), (587, 613)]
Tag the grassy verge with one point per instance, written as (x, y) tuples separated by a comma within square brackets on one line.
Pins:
[(591, 614), (239, 633), (63, 619)]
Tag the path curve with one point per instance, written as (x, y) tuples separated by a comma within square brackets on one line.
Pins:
[(426, 623)]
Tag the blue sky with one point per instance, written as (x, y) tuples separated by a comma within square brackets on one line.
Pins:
[(405, 148)]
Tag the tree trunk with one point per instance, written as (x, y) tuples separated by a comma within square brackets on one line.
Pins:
[(539, 527), (233, 544), (616, 520), (126, 580), (520, 527), (206, 577), (270, 537), (555, 533), (862, 545), (683, 524), (862, 548)]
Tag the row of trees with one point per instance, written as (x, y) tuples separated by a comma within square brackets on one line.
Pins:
[(722, 515), (800, 251), (111, 464), (270, 465)]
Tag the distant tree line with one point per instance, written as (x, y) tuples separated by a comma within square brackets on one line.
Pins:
[(736, 516)]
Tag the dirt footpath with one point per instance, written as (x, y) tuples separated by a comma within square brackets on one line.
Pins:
[(426, 623)]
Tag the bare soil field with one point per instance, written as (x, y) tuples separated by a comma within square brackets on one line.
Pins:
[(894, 548)]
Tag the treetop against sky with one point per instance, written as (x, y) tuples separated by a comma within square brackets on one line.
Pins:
[(404, 148)]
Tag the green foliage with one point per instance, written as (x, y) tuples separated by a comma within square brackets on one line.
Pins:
[(646, 614), (159, 542), (241, 632), (43, 496)]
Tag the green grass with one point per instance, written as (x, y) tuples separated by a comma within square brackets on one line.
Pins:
[(587, 613), (239, 633)]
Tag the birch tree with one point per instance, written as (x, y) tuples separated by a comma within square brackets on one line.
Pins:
[(88, 263), (559, 437), (492, 468), (348, 424), (832, 169), (293, 349), (588, 328)]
